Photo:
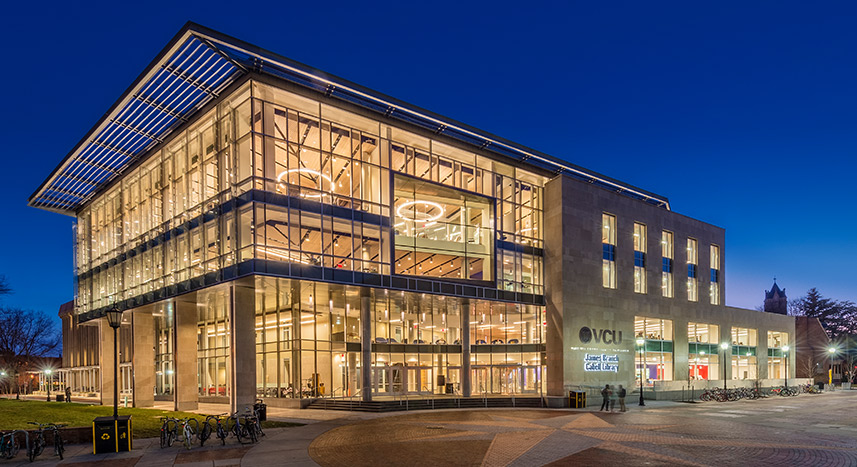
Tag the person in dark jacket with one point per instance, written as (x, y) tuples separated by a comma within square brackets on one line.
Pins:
[(68, 394), (605, 398), (622, 394)]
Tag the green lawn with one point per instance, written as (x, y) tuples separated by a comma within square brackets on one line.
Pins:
[(15, 414)]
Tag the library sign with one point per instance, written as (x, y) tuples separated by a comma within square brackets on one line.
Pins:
[(601, 362)]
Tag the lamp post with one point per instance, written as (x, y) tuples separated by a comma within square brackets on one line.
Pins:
[(831, 351), (5, 384), (48, 372), (724, 346), (786, 355), (641, 343), (114, 319)]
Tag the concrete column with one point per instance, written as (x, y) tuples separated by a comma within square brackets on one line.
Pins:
[(243, 340), (185, 337), (366, 343), (558, 281), (466, 382), (143, 358), (106, 362)]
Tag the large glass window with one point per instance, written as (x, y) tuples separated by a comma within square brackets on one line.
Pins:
[(703, 351), (778, 349), (608, 250), (667, 287), (657, 359), (639, 258), (213, 341), (714, 286), (692, 261), (744, 361), (442, 232)]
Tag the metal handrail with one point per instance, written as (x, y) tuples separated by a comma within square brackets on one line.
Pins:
[(431, 396)]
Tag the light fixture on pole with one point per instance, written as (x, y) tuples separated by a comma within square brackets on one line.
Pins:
[(724, 346), (831, 351), (641, 343), (48, 372), (114, 319), (786, 355)]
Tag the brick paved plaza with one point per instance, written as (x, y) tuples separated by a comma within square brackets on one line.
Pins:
[(816, 430), (805, 430)]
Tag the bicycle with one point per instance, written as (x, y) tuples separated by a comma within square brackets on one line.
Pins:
[(188, 431), (9, 445), (39, 442), (219, 430), (169, 431)]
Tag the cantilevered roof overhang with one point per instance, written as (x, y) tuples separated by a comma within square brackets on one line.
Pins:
[(194, 68)]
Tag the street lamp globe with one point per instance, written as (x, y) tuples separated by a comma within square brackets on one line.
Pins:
[(724, 346), (640, 341), (114, 317), (785, 348), (832, 350)]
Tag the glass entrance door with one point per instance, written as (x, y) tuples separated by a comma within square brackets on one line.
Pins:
[(389, 380)]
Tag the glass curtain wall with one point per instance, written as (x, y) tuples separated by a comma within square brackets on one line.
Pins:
[(164, 350), (506, 356), (302, 334), (213, 335), (176, 189), (416, 343)]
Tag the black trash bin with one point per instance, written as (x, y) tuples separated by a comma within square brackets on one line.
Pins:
[(577, 399), (60, 398), (111, 435), (261, 410)]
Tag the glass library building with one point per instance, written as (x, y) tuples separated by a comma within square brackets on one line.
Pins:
[(272, 231)]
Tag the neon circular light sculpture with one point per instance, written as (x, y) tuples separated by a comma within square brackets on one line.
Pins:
[(416, 216), (308, 173)]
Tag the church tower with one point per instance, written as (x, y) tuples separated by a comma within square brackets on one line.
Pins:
[(776, 300)]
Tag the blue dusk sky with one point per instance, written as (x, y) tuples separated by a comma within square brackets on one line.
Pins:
[(742, 113)]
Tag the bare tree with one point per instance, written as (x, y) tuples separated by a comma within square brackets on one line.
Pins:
[(25, 337), (5, 289)]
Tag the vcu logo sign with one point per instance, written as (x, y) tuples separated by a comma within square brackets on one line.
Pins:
[(605, 336)]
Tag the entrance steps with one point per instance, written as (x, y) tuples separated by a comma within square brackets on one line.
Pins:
[(402, 404)]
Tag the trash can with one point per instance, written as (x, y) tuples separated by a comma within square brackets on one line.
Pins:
[(60, 398), (111, 435), (261, 410), (577, 399)]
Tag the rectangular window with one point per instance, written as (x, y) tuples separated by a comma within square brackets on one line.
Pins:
[(608, 246), (777, 353), (714, 287), (703, 333), (692, 283), (667, 267), (639, 258)]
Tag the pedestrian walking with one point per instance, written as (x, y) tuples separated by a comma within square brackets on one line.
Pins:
[(67, 394), (613, 395), (622, 394), (605, 398)]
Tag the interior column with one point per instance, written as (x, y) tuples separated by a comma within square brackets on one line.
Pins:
[(366, 343), (465, 349)]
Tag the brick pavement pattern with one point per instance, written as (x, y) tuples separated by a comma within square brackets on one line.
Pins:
[(808, 430)]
